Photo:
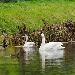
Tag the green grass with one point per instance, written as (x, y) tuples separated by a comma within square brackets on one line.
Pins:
[(32, 12)]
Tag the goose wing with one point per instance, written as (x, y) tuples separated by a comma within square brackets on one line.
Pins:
[(51, 45)]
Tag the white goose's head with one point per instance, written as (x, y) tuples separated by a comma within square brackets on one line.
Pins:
[(42, 35)]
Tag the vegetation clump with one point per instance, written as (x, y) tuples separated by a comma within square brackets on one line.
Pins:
[(63, 32)]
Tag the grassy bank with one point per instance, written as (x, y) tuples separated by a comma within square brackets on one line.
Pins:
[(32, 12)]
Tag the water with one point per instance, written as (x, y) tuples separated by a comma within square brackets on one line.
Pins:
[(17, 61)]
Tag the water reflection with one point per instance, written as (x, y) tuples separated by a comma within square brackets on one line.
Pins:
[(53, 57), (30, 62), (69, 61), (28, 52)]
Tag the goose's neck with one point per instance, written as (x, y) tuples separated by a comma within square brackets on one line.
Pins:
[(26, 38), (25, 42), (43, 40)]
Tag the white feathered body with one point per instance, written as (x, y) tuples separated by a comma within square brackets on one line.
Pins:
[(29, 44), (51, 45), (52, 50)]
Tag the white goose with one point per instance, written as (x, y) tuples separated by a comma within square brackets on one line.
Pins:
[(28, 44), (51, 50)]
